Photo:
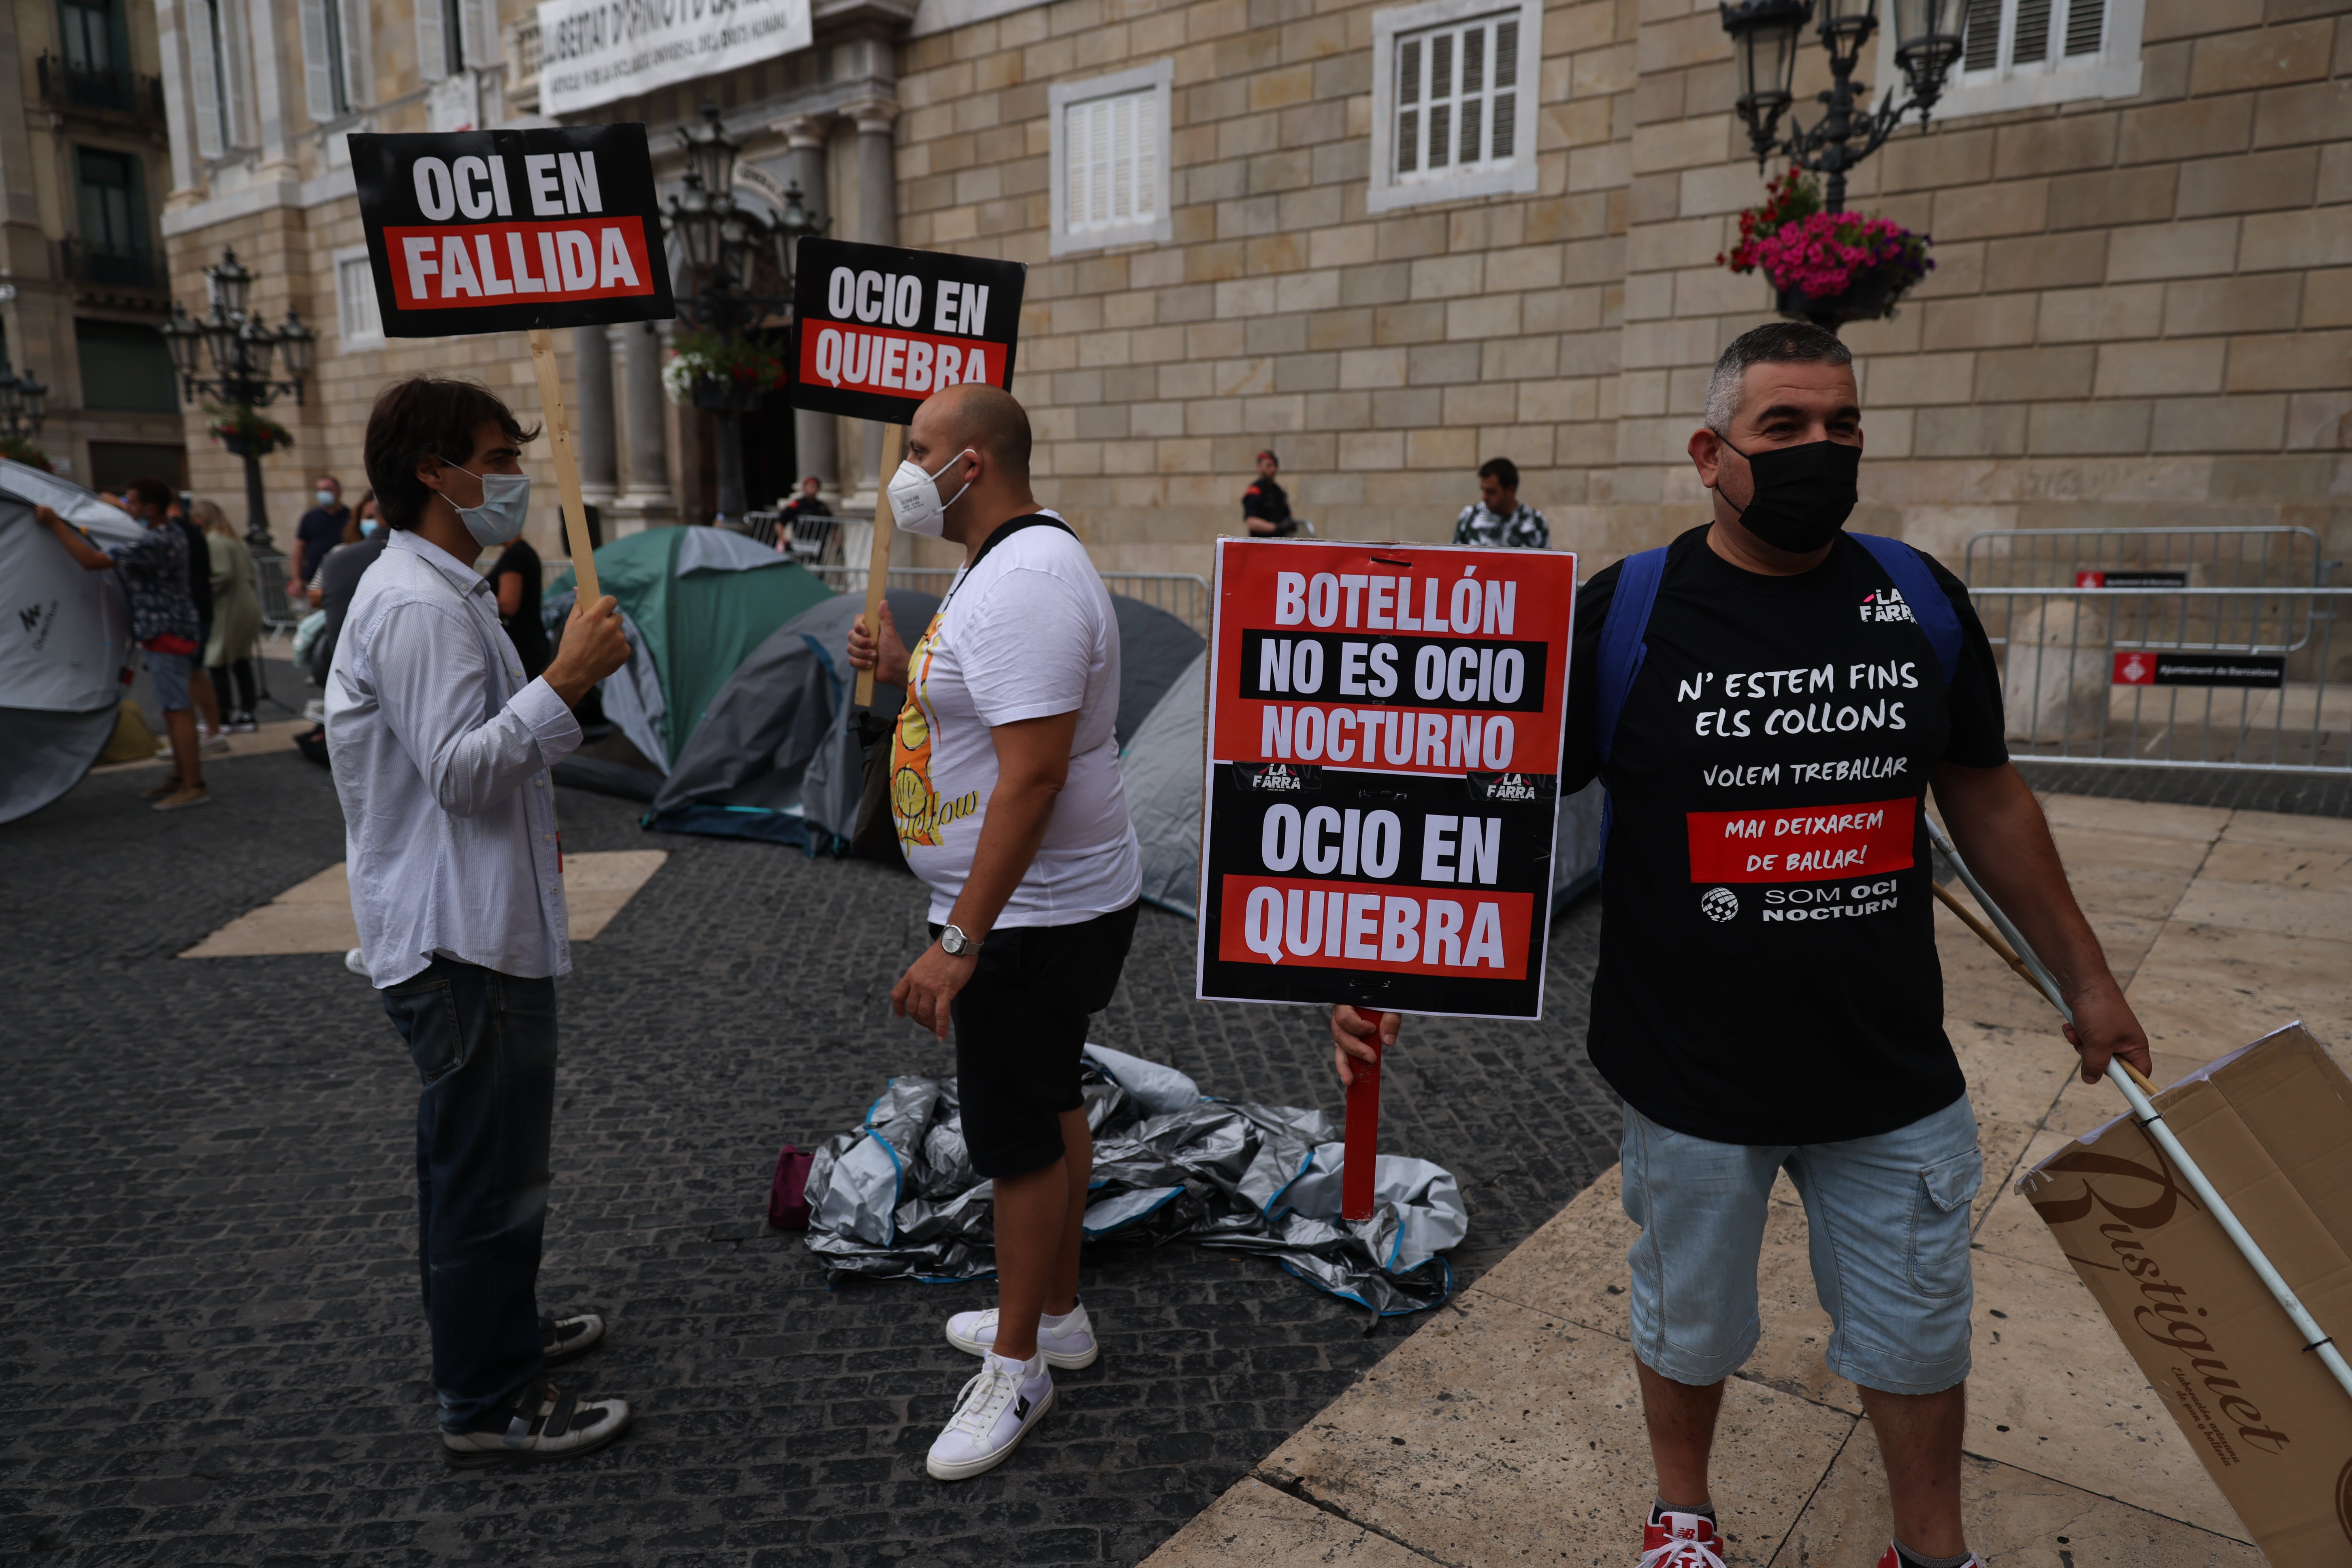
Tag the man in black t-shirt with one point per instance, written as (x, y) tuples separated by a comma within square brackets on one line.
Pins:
[(1265, 507), (1769, 995), (320, 529)]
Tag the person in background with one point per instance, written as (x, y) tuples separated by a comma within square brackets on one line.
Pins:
[(516, 580), (212, 736), (339, 580), (808, 503), (1499, 517), (1264, 507), (441, 749), (320, 529), (236, 616), (154, 570)]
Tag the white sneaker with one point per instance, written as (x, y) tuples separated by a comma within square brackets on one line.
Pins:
[(1069, 1347), (356, 962), (993, 1413)]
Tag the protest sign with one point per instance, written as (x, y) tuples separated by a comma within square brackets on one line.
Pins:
[(1384, 742), (1384, 736), (879, 329), (498, 231)]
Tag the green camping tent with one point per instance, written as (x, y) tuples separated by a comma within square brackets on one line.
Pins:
[(703, 598)]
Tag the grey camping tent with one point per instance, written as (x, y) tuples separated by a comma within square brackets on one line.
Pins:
[(65, 643)]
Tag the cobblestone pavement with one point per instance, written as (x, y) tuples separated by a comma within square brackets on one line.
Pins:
[(211, 1351)]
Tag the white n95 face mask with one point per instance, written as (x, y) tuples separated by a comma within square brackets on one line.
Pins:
[(506, 507), (915, 503)]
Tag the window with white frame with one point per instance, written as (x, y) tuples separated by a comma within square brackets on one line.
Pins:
[(216, 77), (1110, 176), (2015, 54), (334, 57), (358, 324), (1453, 100)]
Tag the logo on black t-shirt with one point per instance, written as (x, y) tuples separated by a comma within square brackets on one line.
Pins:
[(1720, 904), (1884, 605)]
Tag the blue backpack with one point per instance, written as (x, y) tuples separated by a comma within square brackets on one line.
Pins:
[(1627, 622)]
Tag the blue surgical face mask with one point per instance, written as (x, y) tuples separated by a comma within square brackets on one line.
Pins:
[(506, 507), (370, 527)]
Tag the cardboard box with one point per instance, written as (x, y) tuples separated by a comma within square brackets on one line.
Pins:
[(2272, 1128)]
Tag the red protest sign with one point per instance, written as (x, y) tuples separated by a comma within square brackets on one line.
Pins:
[(1384, 742)]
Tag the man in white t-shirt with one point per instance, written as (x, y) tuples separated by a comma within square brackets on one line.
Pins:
[(1004, 784)]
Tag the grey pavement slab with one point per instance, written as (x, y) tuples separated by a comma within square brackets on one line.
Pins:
[(210, 1349)]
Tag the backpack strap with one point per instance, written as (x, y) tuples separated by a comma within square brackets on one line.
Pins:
[(1620, 660), (1930, 605), (1622, 648)]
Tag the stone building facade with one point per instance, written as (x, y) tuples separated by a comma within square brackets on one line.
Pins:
[(1260, 222), (84, 171), (2141, 313)]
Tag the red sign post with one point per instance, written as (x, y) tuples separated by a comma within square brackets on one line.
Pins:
[(1383, 781)]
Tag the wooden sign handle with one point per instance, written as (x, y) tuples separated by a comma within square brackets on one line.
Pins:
[(877, 559), (567, 463), (1359, 1162)]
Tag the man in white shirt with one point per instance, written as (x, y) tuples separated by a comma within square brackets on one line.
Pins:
[(441, 751), (1005, 788)]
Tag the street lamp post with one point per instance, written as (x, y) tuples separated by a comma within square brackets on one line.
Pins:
[(724, 244), (240, 344), (1764, 34), (23, 402)]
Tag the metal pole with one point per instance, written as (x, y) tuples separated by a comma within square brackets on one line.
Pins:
[(2151, 1122), (256, 519), (730, 465)]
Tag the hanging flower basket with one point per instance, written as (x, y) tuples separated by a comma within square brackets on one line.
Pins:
[(726, 374), (1827, 268), (16, 449), (245, 433)]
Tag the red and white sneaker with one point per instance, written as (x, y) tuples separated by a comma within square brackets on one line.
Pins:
[(1682, 1541), (1894, 1559)]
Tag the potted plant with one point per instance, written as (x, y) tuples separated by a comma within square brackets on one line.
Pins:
[(1828, 268), (727, 374), (245, 431)]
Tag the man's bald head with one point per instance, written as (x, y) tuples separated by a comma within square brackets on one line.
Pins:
[(983, 418)]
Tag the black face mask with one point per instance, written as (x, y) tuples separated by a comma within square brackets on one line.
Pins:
[(1803, 494)]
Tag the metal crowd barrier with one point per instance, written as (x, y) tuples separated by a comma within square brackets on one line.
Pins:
[(2170, 675), (2269, 555), (1182, 594)]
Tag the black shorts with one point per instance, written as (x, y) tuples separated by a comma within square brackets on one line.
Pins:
[(1019, 1028)]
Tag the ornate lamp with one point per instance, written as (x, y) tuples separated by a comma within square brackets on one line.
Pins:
[(181, 337), (693, 221), (710, 153), (220, 338), (295, 342), (1764, 43), (1926, 46), (232, 284)]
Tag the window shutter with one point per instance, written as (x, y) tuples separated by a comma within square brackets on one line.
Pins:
[(1408, 137), (480, 49), (1506, 143), (432, 49), (2030, 44), (2086, 23), (317, 70), (1441, 96), (1147, 154), (353, 15), (1981, 50), (203, 80)]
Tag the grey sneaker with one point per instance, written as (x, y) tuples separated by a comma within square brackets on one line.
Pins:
[(548, 1423)]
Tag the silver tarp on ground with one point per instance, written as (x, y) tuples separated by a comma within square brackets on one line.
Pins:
[(897, 1198)]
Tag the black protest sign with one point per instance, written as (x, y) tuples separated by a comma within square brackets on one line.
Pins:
[(1384, 735), (501, 231), (881, 329)]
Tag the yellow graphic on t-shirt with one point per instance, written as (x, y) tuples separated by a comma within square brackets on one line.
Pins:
[(915, 804)]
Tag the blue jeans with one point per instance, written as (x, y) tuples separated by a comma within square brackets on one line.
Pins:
[(484, 1044), (1886, 1225)]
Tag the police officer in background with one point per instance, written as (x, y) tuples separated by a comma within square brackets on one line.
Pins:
[(1264, 507)]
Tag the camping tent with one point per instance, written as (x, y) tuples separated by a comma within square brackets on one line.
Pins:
[(65, 642), (695, 602), (772, 761)]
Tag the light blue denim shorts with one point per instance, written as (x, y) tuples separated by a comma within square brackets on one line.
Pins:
[(170, 672), (1888, 1224)]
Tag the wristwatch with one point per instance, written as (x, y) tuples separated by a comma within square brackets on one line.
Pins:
[(954, 944)]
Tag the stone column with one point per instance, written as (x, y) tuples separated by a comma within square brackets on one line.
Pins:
[(594, 429), (648, 503), (814, 434), (878, 223)]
